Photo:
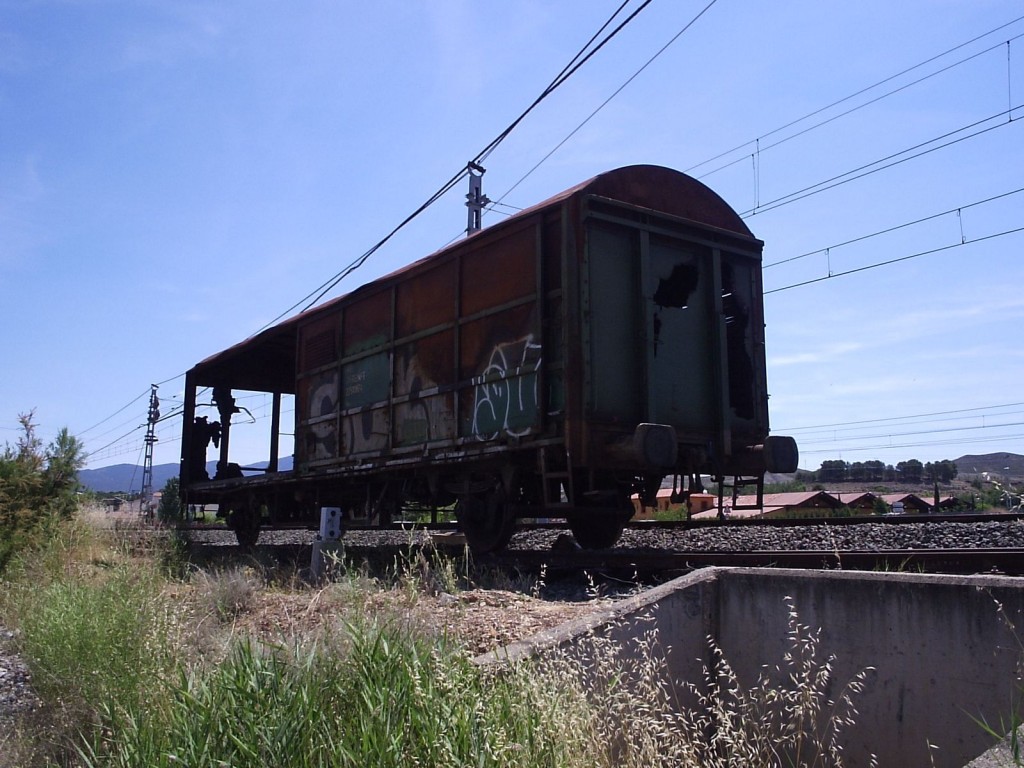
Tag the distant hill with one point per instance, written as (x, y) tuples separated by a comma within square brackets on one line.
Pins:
[(124, 477), (1010, 465), (128, 477)]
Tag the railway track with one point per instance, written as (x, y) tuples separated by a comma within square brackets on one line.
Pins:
[(937, 544), (1006, 561)]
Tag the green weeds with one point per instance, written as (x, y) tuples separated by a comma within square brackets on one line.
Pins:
[(113, 641), (374, 696)]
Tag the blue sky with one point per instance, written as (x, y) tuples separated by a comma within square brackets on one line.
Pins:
[(175, 175)]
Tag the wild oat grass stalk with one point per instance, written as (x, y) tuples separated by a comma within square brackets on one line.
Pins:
[(637, 716), (785, 718)]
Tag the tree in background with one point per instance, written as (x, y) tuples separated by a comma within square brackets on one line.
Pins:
[(911, 471), (64, 457), (36, 485), (941, 471), (170, 508), (874, 471), (833, 471)]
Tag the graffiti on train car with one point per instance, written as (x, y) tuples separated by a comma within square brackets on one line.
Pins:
[(321, 405), (423, 412), (505, 393)]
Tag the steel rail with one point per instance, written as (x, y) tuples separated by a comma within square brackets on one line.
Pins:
[(772, 522), (1007, 561)]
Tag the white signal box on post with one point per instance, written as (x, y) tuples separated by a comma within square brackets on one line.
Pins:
[(330, 523)]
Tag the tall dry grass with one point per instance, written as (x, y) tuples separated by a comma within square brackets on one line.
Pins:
[(110, 633)]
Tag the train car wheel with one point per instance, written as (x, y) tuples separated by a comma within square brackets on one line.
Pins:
[(598, 528), (246, 525), (486, 521)]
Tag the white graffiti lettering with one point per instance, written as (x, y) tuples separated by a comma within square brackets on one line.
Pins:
[(506, 392)]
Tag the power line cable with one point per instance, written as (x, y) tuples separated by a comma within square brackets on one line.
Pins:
[(921, 444), (838, 436), (119, 439), (603, 104), (118, 426), (857, 433), (887, 230), (912, 416), (917, 432), (108, 418), (567, 71), (760, 149), (854, 95), (855, 173), (577, 61), (574, 64), (888, 262)]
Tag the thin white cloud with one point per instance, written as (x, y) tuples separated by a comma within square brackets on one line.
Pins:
[(826, 354)]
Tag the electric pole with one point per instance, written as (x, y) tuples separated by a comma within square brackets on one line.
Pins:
[(145, 499)]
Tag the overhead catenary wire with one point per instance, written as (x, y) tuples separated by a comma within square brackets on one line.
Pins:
[(567, 71), (577, 61), (574, 64), (757, 142), (115, 413), (127, 434), (841, 437), (884, 162), (916, 444), (879, 435), (832, 275), (895, 228), (860, 422), (860, 92), (604, 103)]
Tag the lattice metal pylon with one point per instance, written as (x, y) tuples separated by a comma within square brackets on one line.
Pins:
[(146, 497)]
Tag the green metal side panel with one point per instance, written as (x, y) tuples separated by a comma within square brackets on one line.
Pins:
[(612, 329), (678, 306), (366, 381), (671, 333)]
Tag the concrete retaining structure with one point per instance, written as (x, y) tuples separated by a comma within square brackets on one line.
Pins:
[(943, 649)]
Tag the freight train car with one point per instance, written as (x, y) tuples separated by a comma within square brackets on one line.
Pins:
[(555, 364)]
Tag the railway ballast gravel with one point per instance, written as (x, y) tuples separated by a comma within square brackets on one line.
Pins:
[(749, 537)]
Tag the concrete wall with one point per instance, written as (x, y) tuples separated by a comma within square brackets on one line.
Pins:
[(942, 650)]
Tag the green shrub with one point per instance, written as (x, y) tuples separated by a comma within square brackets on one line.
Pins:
[(93, 641), (36, 487), (170, 510)]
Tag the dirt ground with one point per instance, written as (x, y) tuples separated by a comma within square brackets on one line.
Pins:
[(479, 619)]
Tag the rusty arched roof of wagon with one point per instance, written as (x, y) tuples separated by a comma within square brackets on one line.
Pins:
[(657, 188)]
